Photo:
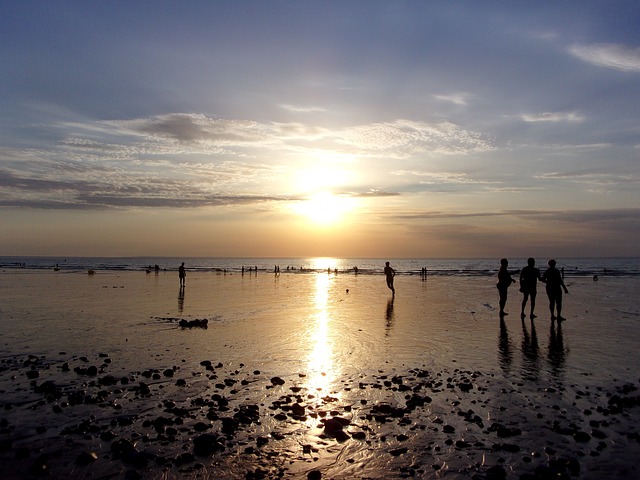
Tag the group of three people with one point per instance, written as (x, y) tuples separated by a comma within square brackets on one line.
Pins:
[(529, 276)]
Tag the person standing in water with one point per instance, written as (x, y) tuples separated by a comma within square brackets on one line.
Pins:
[(554, 285), (182, 274), (504, 282), (389, 273), (529, 277)]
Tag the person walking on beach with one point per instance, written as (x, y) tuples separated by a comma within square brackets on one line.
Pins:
[(529, 276), (504, 282), (554, 285), (182, 274), (389, 273)]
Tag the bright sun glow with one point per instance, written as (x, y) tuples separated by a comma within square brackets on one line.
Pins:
[(325, 208)]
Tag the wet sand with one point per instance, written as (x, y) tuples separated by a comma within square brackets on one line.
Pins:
[(296, 377)]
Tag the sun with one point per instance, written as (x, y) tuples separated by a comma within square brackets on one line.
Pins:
[(325, 208)]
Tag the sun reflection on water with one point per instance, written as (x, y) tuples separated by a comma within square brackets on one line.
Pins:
[(321, 368)]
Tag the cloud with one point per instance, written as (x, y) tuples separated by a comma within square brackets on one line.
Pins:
[(29, 184), (434, 178), (302, 109), (403, 138), (106, 200), (191, 128), (552, 117), (616, 56), (375, 193), (568, 216), (601, 178), (457, 98)]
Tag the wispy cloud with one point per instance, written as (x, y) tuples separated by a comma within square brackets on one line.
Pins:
[(616, 56), (457, 98), (402, 138), (302, 108), (552, 117), (428, 178)]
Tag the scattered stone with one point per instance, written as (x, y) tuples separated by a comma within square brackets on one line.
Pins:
[(86, 458), (207, 444)]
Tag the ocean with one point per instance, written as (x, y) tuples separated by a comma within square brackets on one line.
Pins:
[(573, 267)]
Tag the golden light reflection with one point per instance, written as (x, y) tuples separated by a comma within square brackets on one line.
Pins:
[(324, 263), (321, 373)]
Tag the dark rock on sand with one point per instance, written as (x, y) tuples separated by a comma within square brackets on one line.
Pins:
[(207, 444), (86, 458), (194, 323)]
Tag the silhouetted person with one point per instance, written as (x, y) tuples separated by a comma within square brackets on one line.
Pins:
[(182, 274), (389, 273), (529, 276), (554, 285), (504, 282)]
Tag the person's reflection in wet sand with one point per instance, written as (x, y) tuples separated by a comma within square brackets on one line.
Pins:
[(505, 355), (557, 352), (530, 352), (181, 300), (389, 315)]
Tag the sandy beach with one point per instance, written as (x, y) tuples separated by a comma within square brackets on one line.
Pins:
[(116, 375)]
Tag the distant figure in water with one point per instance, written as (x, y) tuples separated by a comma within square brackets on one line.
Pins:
[(554, 284), (390, 273), (182, 274), (529, 277), (504, 282)]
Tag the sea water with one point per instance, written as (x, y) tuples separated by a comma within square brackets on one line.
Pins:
[(612, 266)]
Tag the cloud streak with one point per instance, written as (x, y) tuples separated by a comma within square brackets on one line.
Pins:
[(614, 56)]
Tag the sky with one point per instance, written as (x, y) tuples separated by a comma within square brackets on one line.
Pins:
[(320, 128)]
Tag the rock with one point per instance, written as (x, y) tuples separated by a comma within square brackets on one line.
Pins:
[(496, 472), (581, 437), (207, 444), (229, 425), (277, 381), (108, 380), (465, 386), (399, 451), (201, 427), (86, 458), (126, 451)]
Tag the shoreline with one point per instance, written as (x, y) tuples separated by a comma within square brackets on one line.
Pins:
[(296, 375)]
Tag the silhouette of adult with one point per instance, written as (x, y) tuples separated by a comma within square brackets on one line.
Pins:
[(554, 286), (182, 274), (504, 282), (529, 277), (389, 274)]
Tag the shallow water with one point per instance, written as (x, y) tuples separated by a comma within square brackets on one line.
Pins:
[(339, 349)]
